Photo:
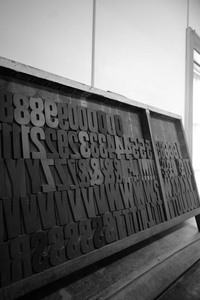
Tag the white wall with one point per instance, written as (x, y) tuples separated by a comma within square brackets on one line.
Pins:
[(140, 44), (53, 35)]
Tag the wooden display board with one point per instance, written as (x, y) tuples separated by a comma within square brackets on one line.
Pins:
[(83, 175)]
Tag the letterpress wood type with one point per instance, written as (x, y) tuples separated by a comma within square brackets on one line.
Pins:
[(84, 173)]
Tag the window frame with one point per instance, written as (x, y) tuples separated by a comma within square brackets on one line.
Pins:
[(192, 43)]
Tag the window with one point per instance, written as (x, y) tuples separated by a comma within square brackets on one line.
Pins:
[(192, 101), (196, 117)]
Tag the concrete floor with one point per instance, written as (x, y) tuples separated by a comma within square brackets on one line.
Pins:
[(187, 287)]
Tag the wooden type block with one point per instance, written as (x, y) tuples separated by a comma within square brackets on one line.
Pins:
[(16, 171), (195, 198), (92, 120), (118, 125), (2, 229), (32, 166), (73, 117), (51, 113), (162, 150), (85, 230), (113, 197), (50, 139), (37, 135), (118, 171), (110, 231), (142, 163), (102, 122), (135, 148), (151, 169), (103, 151), (83, 172), (155, 212), (46, 209), (63, 147), (175, 186), (6, 111), (57, 249), (151, 220), (143, 217), (95, 174), (21, 113), (94, 147), (73, 174), (188, 167), (135, 167), (166, 150), (84, 144), (174, 205), (107, 170), (170, 150), (186, 183), (133, 216), (63, 179), (119, 149), (62, 206), (63, 116), (88, 200), (119, 224), (142, 148), (186, 202), (16, 141), (21, 258), (37, 113), (129, 169), (50, 186), (30, 213), (25, 131), (157, 147), (7, 141), (180, 206), (178, 148), (174, 151), (179, 185), (73, 240), (40, 259), (11, 209), (100, 199), (126, 169), (161, 211), (110, 147), (150, 187), (127, 147), (111, 124), (139, 194), (5, 272), (182, 185), (3, 190), (174, 171), (98, 237), (73, 144), (1, 142), (128, 223), (190, 181), (127, 194), (148, 149), (76, 204), (82, 117), (190, 197)]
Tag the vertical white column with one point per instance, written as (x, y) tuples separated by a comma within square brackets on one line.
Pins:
[(93, 44)]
